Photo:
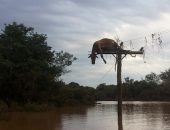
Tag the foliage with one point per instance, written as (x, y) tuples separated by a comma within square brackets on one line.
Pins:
[(62, 60), (152, 77), (154, 87), (165, 77), (73, 94), (29, 69), (105, 92)]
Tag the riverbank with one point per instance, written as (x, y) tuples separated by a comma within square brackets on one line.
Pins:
[(26, 107), (34, 107)]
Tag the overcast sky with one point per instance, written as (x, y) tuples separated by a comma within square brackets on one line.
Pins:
[(74, 25)]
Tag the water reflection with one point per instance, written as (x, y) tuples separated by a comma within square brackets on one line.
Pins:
[(136, 115), (147, 115)]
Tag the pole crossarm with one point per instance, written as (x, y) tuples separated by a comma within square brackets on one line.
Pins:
[(122, 52)]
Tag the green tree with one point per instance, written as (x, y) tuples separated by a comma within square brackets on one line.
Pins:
[(106, 92), (152, 77), (165, 89), (28, 66), (165, 77), (74, 85), (61, 61)]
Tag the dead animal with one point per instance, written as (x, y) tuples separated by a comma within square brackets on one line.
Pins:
[(101, 47)]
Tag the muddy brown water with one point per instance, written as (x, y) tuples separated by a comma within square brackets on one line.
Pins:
[(103, 116)]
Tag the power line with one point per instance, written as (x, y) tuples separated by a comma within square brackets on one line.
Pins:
[(105, 73)]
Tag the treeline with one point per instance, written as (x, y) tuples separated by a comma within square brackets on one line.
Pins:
[(153, 88), (73, 94)]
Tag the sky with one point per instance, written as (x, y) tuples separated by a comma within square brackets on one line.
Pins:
[(74, 25)]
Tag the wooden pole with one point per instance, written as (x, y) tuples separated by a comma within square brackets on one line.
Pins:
[(119, 90), (119, 58)]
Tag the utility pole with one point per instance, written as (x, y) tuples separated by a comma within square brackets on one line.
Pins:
[(119, 52), (119, 82), (120, 55)]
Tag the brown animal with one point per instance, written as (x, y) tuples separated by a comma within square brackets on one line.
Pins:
[(102, 46)]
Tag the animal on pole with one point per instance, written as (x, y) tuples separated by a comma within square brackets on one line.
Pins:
[(109, 46), (101, 47)]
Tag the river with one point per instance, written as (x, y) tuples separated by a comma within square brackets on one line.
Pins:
[(102, 116)]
